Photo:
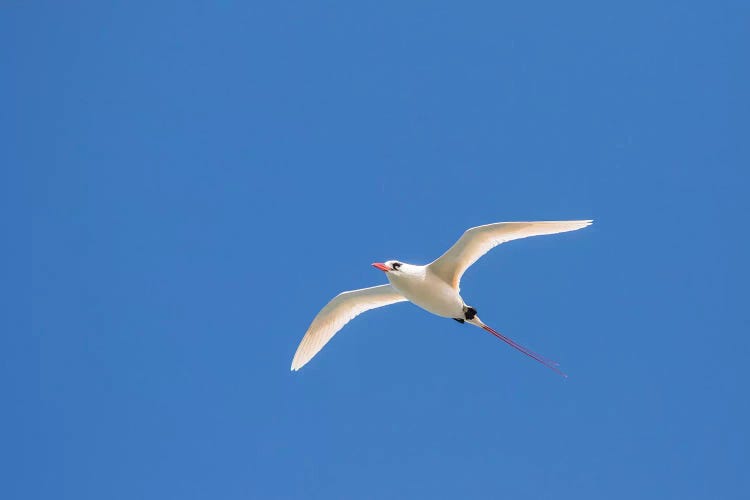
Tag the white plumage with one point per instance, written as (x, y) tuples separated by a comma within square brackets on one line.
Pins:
[(343, 308), (434, 287)]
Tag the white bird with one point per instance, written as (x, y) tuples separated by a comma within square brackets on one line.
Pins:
[(434, 287)]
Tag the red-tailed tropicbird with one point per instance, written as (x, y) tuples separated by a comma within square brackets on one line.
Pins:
[(434, 287)]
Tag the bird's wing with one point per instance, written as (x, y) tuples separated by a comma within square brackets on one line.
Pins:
[(338, 312), (479, 240)]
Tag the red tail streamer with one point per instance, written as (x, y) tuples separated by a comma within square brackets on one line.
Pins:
[(553, 365)]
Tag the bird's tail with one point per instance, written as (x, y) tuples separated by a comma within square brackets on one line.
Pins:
[(553, 365)]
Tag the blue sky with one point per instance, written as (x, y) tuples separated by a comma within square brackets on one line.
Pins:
[(205, 176)]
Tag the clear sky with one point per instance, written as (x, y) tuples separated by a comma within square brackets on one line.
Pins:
[(205, 176)]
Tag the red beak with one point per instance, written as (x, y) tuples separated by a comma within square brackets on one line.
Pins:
[(381, 266)]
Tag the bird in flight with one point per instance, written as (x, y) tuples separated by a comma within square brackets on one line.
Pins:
[(434, 287)]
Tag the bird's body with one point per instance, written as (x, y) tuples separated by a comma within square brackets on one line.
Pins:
[(433, 287), (427, 290)]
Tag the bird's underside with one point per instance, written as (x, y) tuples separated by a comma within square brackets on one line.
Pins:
[(434, 287)]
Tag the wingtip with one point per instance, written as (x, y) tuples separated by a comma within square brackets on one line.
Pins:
[(297, 364)]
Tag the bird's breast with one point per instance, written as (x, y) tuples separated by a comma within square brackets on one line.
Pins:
[(430, 293)]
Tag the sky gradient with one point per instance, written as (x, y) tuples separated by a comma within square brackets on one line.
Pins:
[(205, 176)]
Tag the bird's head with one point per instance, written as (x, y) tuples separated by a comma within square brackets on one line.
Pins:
[(392, 266)]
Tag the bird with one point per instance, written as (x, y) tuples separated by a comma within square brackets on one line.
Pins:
[(434, 287)]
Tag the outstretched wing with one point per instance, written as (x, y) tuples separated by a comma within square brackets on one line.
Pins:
[(338, 312), (479, 240)]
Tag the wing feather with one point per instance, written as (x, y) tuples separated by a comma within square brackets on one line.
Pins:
[(337, 313), (479, 240)]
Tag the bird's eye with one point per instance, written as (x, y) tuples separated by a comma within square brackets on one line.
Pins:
[(396, 265)]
